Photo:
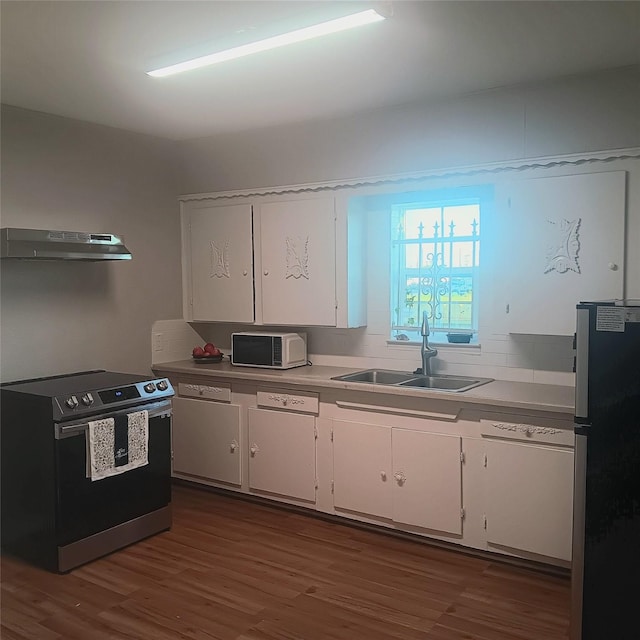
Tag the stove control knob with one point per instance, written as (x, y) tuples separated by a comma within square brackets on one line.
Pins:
[(163, 385), (71, 402), (149, 387), (87, 399)]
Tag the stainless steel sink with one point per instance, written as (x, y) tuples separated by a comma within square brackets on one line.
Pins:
[(383, 377), (445, 383), (376, 376)]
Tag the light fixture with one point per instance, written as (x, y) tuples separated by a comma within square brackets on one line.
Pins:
[(315, 31)]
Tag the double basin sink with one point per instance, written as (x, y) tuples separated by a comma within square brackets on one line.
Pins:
[(383, 377)]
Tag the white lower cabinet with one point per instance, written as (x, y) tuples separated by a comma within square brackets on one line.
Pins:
[(484, 479), (206, 440), (410, 477), (362, 468), (529, 498), (427, 475), (282, 458)]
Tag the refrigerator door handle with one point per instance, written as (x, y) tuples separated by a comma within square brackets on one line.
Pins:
[(582, 363), (579, 519)]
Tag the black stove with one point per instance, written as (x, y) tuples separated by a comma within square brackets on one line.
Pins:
[(56, 511)]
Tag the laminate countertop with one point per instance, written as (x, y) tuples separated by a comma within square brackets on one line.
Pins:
[(499, 393)]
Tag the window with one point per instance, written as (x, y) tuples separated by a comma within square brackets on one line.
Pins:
[(435, 259)]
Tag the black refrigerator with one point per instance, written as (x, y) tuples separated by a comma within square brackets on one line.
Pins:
[(605, 576)]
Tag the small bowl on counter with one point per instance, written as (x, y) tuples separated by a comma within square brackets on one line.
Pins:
[(462, 337), (208, 358)]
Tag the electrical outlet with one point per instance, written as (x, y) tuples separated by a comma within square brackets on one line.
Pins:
[(158, 342)]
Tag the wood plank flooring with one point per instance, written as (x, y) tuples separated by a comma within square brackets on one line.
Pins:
[(234, 570)]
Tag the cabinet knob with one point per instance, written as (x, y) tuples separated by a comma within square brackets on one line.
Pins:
[(233, 446), (383, 475), (254, 449), (613, 266), (245, 272), (266, 273), (400, 477)]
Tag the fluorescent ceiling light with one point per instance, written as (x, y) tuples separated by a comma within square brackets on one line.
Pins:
[(315, 31)]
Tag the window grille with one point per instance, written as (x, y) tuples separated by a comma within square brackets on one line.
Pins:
[(435, 259)]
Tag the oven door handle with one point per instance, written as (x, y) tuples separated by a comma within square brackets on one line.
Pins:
[(155, 410)]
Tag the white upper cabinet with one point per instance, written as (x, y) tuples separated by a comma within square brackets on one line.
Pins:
[(561, 241), (296, 261), (218, 262), (290, 260)]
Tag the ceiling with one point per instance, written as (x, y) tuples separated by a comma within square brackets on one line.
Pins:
[(87, 60)]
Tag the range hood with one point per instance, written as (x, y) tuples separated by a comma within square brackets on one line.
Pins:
[(39, 244)]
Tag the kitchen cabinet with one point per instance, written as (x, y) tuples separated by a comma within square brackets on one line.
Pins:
[(206, 435), (294, 260), (411, 477), (218, 262), (427, 474), (282, 450), (297, 261), (529, 490), (452, 469), (362, 468), (556, 241)]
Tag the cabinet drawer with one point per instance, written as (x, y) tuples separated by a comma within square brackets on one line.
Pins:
[(221, 393), (300, 402), (528, 431)]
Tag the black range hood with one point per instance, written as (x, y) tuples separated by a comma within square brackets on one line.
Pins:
[(40, 244)]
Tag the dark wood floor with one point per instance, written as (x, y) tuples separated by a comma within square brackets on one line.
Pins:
[(233, 570)]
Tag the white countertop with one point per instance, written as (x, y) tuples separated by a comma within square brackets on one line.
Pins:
[(517, 395)]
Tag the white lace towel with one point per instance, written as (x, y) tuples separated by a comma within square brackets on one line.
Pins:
[(101, 461)]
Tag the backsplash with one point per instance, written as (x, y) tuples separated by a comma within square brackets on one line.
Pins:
[(520, 358), (173, 340)]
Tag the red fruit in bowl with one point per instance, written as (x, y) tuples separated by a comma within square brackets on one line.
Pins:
[(210, 348), (214, 352), (198, 352)]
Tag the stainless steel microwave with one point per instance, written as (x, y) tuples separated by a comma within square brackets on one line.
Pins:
[(269, 350)]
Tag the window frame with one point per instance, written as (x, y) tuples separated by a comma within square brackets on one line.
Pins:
[(480, 195)]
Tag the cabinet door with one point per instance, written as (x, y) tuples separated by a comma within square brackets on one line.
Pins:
[(530, 498), (298, 264), (564, 242), (221, 263), (362, 468), (206, 440), (427, 474), (282, 453)]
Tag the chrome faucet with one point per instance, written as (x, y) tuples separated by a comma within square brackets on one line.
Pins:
[(426, 351)]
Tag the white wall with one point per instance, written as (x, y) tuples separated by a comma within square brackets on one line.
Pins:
[(573, 115), (583, 113), (59, 317)]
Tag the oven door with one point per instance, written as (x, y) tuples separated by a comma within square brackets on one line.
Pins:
[(85, 507)]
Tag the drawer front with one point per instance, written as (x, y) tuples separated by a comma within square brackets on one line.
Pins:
[(221, 393), (527, 431), (300, 402)]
